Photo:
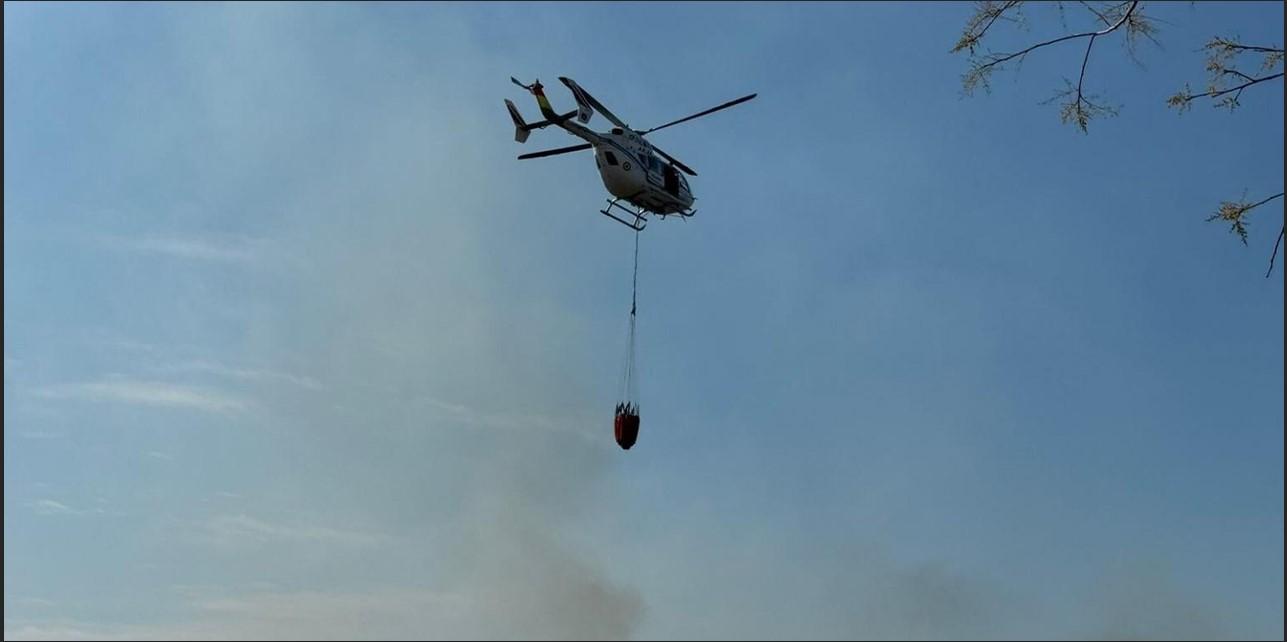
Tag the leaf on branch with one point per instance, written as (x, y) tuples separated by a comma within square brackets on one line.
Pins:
[(1226, 82), (1272, 60), (1079, 108), (1139, 25), (1233, 212), (985, 13), (977, 77), (1182, 100)]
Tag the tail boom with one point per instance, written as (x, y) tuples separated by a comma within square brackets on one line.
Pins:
[(522, 128)]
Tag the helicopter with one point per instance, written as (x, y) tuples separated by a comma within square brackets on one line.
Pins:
[(632, 169)]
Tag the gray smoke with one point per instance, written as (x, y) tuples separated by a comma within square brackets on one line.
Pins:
[(399, 280)]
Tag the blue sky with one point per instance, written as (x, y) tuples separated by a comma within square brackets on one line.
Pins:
[(294, 347)]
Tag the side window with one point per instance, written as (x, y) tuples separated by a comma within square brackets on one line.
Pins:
[(612, 158)]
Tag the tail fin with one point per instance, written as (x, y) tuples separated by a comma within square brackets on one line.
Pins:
[(583, 109), (521, 129)]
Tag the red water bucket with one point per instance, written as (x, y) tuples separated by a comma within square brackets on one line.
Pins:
[(626, 429)]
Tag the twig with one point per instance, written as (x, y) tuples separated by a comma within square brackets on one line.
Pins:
[(1240, 87), (1087, 34), (1275, 254)]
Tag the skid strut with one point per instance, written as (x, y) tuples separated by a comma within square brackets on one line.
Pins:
[(639, 221)]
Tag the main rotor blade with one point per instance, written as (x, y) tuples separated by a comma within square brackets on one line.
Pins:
[(553, 152), (672, 159), (700, 114), (593, 102)]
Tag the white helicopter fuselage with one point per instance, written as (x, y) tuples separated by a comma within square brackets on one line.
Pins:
[(631, 171)]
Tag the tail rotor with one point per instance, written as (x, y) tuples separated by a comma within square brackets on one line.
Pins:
[(532, 88)]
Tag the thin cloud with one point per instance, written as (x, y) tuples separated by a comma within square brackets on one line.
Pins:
[(123, 344), (51, 507), (61, 629), (317, 606), (245, 374), (384, 613), (22, 600), (156, 454), (508, 421), (234, 529), (220, 495), (40, 435), (239, 249), (146, 393)]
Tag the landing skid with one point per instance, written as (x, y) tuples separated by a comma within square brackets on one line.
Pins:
[(682, 215), (639, 214), (639, 221)]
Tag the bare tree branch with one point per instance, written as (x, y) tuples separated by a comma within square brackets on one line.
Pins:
[(1082, 114), (1004, 8), (1185, 97), (1235, 72), (1084, 60), (1275, 254), (973, 32), (1241, 47), (1077, 106), (1222, 56), (1089, 7), (1226, 81), (998, 59), (1249, 83), (1234, 213)]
